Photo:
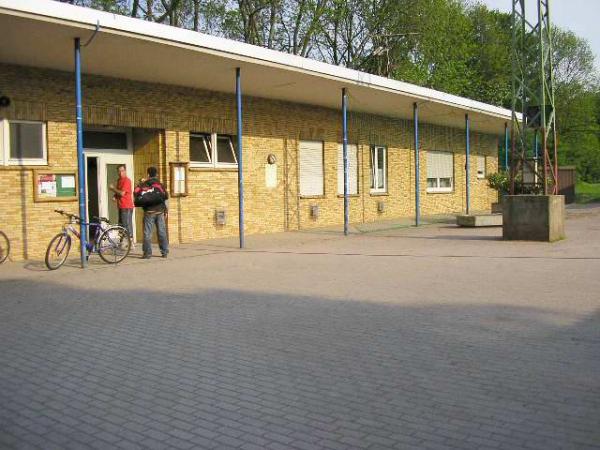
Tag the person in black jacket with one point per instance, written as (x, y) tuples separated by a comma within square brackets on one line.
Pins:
[(154, 215)]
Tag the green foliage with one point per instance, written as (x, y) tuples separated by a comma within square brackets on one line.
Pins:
[(579, 133), (491, 59), (587, 192), (456, 46), (499, 181), (439, 55)]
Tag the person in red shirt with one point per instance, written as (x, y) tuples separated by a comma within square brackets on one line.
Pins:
[(124, 199)]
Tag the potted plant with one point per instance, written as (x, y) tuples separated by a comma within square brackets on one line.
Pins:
[(500, 182)]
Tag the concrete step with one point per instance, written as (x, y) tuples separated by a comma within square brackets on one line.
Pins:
[(479, 220)]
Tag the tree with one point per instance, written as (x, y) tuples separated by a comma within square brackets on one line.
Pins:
[(491, 58), (456, 46)]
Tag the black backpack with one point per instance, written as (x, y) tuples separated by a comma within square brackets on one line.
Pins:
[(149, 194)]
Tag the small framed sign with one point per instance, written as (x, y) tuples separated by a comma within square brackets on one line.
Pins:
[(59, 186), (179, 179)]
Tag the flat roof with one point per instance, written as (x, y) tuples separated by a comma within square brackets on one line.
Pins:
[(40, 33)]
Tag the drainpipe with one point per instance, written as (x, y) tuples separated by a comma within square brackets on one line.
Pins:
[(238, 97), (345, 157), (506, 147), (80, 156), (467, 163), (417, 166)]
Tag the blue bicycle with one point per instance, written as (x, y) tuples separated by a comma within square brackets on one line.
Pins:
[(111, 242)]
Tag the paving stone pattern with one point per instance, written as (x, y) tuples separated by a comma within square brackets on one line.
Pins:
[(87, 363)]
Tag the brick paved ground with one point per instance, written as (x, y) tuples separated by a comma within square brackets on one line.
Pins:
[(434, 338)]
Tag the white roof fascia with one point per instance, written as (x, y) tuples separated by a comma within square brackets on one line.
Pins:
[(90, 18)]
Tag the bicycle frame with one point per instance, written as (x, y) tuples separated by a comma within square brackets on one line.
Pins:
[(102, 240), (98, 229)]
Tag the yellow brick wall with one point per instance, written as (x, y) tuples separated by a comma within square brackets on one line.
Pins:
[(162, 117), (146, 145)]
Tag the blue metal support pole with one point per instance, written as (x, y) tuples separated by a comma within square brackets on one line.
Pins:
[(80, 156), (467, 162), (345, 158), (506, 142), (417, 166), (238, 97)]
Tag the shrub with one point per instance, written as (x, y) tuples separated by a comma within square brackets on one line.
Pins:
[(499, 181)]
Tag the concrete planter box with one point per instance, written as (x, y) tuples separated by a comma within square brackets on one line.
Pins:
[(533, 218), (479, 220)]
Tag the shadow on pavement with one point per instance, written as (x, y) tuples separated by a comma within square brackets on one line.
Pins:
[(97, 367), (449, 237)]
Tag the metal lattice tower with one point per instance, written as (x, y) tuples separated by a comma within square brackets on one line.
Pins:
[(533, 97)]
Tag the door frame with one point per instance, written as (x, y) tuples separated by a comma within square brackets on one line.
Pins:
[(110, 156)]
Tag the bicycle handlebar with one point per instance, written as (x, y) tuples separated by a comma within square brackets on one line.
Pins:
[(69, 215), (78, 219)]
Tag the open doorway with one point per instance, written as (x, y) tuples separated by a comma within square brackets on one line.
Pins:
[(105, 151), (92, 187)]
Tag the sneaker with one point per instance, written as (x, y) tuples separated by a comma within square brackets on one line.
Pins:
[(164, 255), (146, 256)]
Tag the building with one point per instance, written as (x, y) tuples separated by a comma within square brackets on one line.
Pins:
[(163, 96)]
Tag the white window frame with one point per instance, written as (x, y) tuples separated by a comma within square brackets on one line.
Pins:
[(216, 150), (5, 158), (437, 188), (375, 168), (213, 155), (209, 151), (481, 176)]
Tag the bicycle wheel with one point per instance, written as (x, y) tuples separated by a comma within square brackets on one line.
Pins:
[(114, 244), (58, 250), (4, 247)]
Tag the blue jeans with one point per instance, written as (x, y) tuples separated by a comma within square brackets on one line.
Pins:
[(163, 241), (125, 220)]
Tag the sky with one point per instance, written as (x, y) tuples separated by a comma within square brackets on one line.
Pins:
[(579, 16)]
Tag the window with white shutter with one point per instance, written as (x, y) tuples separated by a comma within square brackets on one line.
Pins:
[(311, 168), (352, 169), (480, 166), (440, 171)]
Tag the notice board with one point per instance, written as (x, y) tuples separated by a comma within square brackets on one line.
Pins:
[(54, 186)]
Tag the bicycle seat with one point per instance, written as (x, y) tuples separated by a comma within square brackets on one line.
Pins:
[(100, 219)]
